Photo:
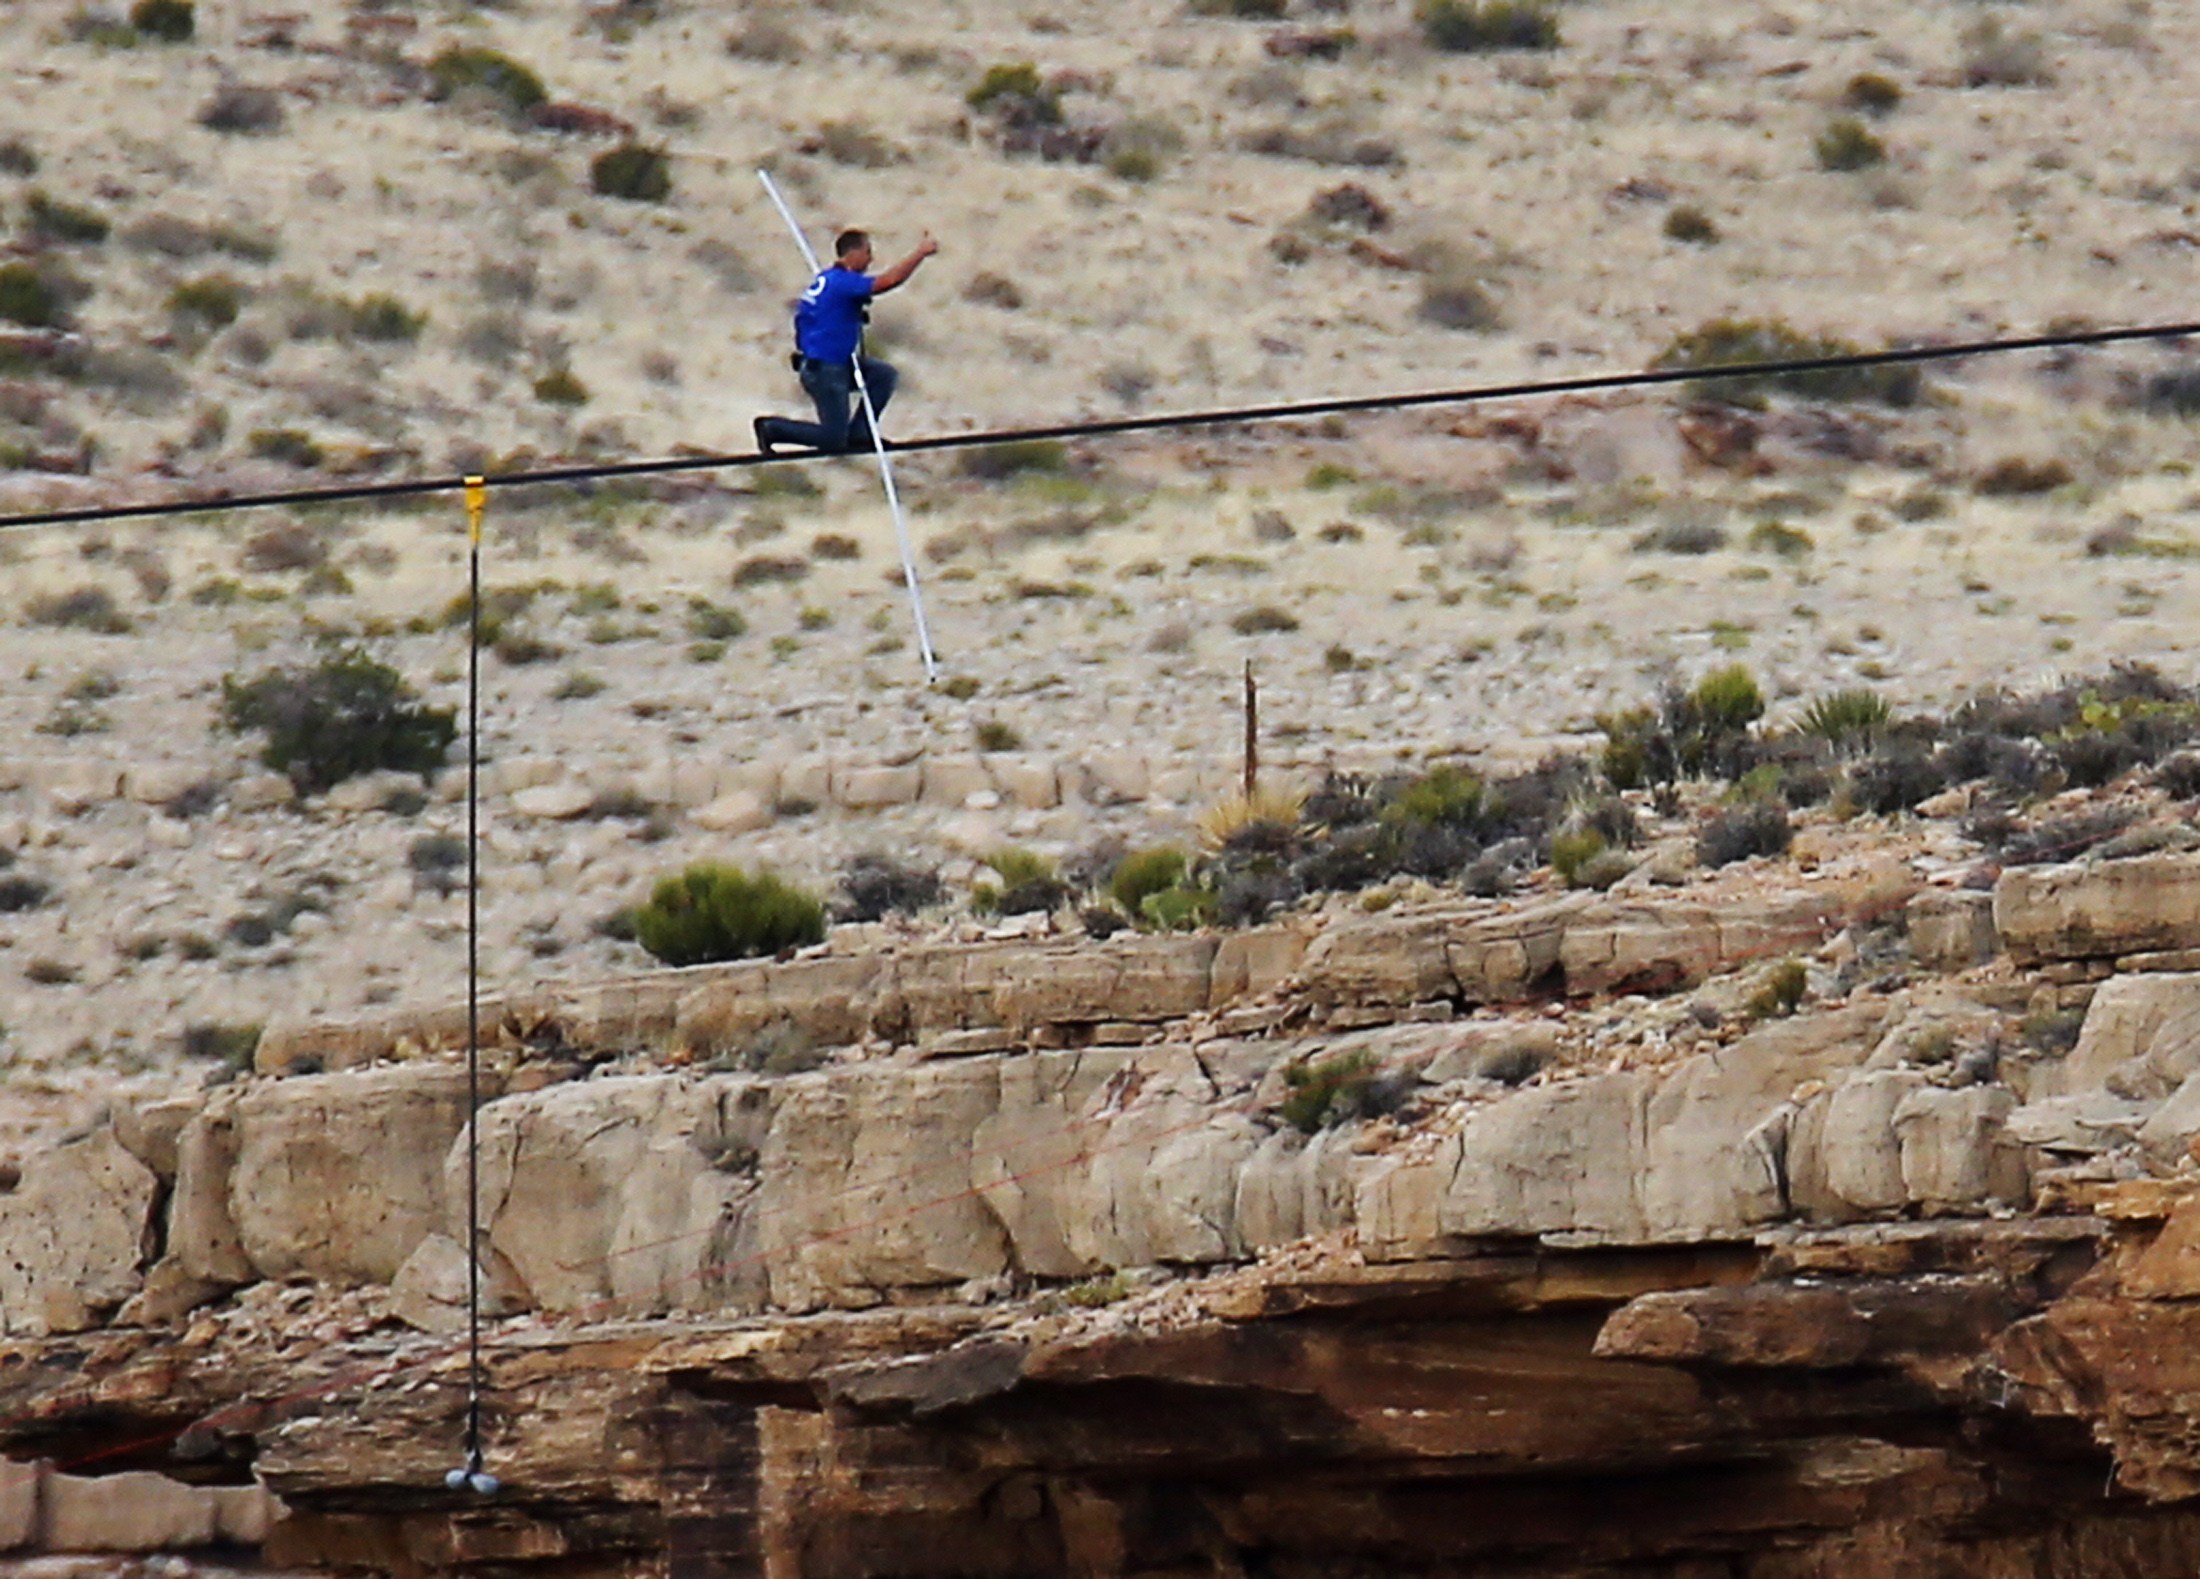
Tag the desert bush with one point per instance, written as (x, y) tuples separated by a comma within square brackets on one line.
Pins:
[(766, 37), (1777, 537), (1894, 779), (1847, 144), (708, 621), (1443, 797), (634, 172), (1321, 1093), (993, 735), (1467, 27), (1681, 537), (759, 569), (1869, 93), (712, 912), (241, 109), (1704, 730), (213, 299), (856, 145), (1739, 343), (343, 715), (994, 290), (1781, 992), (17, 157), (1016, 458), (1995, 57), (561, 386), (384, 318), (1573, 852), (291, 446), (20, 892), (1265, 619), (835, 546), (230, 1044), (292, 546), (50, 220), (1243, 10), (2015, 476), (1029, 884), (1141, 147), (1456, 299), (30, 296), (1846, 720), (1014, 91), (1333, 140), (1690, 224), (88, 608), (1755, 828), (471, 69), (1144, 873), (167, 21), (874, 886)]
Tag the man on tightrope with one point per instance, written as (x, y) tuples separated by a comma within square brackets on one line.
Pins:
[(828, 334)]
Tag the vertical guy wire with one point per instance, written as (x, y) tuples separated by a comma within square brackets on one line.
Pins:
[(477, 496)]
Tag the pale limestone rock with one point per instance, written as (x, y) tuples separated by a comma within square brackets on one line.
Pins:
[(1467, 1054), (1029, 782), (508, 776), (339, 1176), (2166, 1138), (1255, 962), (73, 784), (1295, 1186), (1125, 978), (134, 1511), (553, 802), (158, 783), (20, 1484), (170, 1293), (867, 789), (202, 1236), (1844, 1159), (2091, 910), (2083, 1124), (1523, 1162), (1117, 777), (2140, 1039), (148, 1128), (1650, 946), (262, 792), (973, 834), (365, 792), (866, 1183), (831, 1001), (1398, 1205), (74, 1235), (1497, 958), (245, 1514), (1381, 959), (808, 779), (430, 1290), (1956, 1154), (739, 811), (1951, 929), (952, 780)]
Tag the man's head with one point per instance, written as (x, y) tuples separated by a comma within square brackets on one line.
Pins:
[(852, 250)]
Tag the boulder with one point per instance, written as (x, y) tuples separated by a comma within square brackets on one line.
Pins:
[(1951, 929), (150, 1127), (1523, 1162), (1844, 1157), (2140, 1039), (158, 783), (20, 1484), (866, 789), (1117, 777), (262, 792), (339, 1177), (203, 1246), (2099, 909), (1385, 959), (951, 781), (1956, 1151), (134, 1511), (74, 1236), (1651, 946), (829, 1002), (553, 802), (737, 811), (1254, 963), (431, 1289), (1500, 958), (1295, 1186), (1030, 782), (867, 1175)]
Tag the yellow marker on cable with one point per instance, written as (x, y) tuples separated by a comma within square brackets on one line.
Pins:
[(477, 500)]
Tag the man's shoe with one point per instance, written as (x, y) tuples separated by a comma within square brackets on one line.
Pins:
[(764, 444)]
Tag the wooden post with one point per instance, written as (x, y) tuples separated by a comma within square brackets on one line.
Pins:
[(1252, 732)]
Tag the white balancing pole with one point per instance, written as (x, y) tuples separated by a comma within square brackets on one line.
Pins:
[(878, 443)]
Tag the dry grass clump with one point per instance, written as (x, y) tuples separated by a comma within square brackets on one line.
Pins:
[(634, 172), (1466, 27), (1336, 139), (241, 109), (88, 608)]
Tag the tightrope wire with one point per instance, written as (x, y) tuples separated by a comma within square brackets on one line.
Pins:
[(1589, 383)]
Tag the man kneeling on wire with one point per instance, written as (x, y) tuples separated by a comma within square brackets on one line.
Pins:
[(828, 337)]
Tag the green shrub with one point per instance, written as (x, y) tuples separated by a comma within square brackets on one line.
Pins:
[(1848, 144), (1572, 851), (464, 68), (632, 171), (2015, 477), (1443, 797), (65, 224), (344, 715), (1847, 720), (1758, 827), (993, 735), (712, 912), (1465, 27), (708, 621), (1781, 992), (291, 446), (1740, 343), (1017, 91), (230, 1045), (169, 21), (1777, 537), (384, 317), (1691, 224), (1322, 1092), (28, 296), (1029, 884), (1728, 701), (1869, 93), (1144, 873), (1179, 909), (213, 299), (561, 386)]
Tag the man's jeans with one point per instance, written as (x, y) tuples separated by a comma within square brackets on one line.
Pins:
[(832, 389)]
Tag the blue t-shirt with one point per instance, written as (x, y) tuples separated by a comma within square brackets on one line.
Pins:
[(828, 320)]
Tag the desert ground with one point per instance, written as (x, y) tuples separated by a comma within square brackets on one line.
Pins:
[(725, 667)]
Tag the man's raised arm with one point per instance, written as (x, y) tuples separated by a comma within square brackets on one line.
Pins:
[(901, 271)]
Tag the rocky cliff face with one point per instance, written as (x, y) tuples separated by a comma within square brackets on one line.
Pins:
[(1531, 1240)]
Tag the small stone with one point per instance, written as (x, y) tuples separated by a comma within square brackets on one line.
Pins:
[(552, 802), (742, 811), (262, 792)]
